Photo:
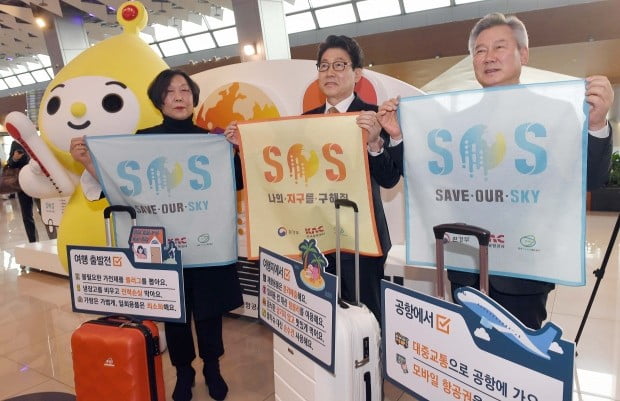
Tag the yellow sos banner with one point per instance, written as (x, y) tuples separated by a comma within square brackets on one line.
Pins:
[(294, 169)]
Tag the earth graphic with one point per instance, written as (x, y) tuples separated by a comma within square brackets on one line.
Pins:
[(236, 101)]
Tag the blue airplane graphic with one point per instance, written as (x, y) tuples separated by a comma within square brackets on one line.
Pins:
[(493, 318)]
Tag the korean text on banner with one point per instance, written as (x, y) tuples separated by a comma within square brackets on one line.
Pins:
[(503, 159), (294, 169), (183, 182)]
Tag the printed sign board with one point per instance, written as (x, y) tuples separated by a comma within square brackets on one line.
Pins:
[(134, 282), (298, 302), (439, 351)]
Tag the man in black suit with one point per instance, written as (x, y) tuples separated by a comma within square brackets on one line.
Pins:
[(499, 48), (339, 65)]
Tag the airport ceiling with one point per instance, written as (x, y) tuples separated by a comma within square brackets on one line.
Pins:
[(20, 36), (573, 37)]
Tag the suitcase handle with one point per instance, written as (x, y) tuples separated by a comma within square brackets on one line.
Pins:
[(346, 203), (121, 318), (130, 321), (119, 208), (483, 237), (353, 205), (107, 212)]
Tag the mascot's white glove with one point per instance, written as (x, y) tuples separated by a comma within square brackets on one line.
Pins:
[(23, 131), (35, 168)]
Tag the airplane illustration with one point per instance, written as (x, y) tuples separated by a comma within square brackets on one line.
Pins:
[(492, 317)]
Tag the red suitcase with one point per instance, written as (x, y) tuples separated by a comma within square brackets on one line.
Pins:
[(117, 358)]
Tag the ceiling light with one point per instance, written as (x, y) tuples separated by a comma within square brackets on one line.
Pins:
[(249, 50), (216, 11), (40, 22)]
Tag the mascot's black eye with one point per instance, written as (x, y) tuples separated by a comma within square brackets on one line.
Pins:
[(53, 105), (112, 103)]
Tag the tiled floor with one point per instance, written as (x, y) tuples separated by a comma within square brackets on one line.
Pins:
[(36, 323)]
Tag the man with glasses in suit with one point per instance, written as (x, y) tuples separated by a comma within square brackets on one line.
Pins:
[(339, 63)]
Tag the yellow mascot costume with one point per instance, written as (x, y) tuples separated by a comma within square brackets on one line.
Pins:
[(102, 91)]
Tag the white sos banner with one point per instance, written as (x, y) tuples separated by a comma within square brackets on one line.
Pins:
[(182, 182), (511, 160)]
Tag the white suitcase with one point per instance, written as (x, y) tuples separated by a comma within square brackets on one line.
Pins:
[(357, 375)]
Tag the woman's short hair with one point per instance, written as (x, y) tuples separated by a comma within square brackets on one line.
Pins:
[(345, 43), (158, 88), (497, 19)]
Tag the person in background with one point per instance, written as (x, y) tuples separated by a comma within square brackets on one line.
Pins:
[(2, 164), (209, 291), (499, 47), (18, 158)]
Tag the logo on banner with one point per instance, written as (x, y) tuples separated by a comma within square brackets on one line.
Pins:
[(497, 241), (478, 155), (304, 164), (163, 175), (313, 232), (283, 231), (528, 243), (204, 239), (179, 242)]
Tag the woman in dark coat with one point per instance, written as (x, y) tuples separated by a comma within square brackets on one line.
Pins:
[(209, 291)]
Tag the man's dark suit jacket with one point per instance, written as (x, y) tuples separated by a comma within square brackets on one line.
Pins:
[(599, 164), (385, 171)]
